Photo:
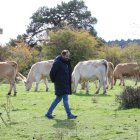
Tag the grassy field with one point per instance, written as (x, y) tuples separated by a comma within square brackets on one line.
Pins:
[(98, 116)]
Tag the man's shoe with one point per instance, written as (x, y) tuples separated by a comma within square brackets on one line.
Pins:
[(49, 116), (72, 116)]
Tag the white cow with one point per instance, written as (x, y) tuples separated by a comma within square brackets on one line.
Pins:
[(90, 70), (39, 71), (85, 84)]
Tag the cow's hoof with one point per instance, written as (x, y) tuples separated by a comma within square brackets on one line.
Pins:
[(9, 94), (96, 92), (47, 90), (15, 94)]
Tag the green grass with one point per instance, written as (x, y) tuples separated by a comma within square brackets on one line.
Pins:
[(98, 116)]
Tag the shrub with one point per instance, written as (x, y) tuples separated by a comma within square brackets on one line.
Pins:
[(129, 98), (80, 43), (112, 54), (23, 55)]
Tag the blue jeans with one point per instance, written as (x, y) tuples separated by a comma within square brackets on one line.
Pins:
[(57, 100)]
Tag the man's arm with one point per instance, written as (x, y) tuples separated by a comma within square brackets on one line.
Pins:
[(54, 71)]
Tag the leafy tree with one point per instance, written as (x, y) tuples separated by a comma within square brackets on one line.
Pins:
[(13, 42), (100, 42), (23, 55), (73, 14), (80, 43), (3, 53), (112, 54), (131, 53)]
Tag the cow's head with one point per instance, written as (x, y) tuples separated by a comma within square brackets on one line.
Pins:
[(28, 85)]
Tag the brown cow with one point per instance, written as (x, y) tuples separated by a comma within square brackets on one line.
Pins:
[(9, 70), (126, 69), (110, 74)]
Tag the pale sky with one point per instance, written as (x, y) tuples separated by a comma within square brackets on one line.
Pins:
[(117, 19)]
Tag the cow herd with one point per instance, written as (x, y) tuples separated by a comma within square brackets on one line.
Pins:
[(84, 72)]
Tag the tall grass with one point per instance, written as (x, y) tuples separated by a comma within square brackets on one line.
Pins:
[(98, 116)]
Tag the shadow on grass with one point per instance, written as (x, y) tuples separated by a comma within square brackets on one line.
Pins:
[(35, 92), (99, 95), (102, 95), (67, 124), (82, 94), (17, 109)]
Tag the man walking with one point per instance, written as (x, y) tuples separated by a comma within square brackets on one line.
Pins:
[(60, 75)]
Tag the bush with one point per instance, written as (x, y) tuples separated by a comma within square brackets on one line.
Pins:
[(23, 55), (112, 54), (80, 43), (129, 98)]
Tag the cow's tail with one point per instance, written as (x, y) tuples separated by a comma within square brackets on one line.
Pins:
[(112, 66), (107, 68), (105, 64), (19, 76)]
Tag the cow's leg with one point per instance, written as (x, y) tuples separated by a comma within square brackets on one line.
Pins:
[(37, 79), (135, 83), (98, 89), (14, 88), (83, 85), (36, 86), (108, 82), (104, 83), (75, 85), (136, 77), (9, 92), (122, 80), (87, 87), (46, 83), (12, 85), (111, 83), (115, 81), (96, 83), (99, 86)]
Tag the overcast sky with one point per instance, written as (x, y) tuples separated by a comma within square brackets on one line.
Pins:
[(117, 19)]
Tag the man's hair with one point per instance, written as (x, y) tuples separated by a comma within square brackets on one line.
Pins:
[(64, 52)]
